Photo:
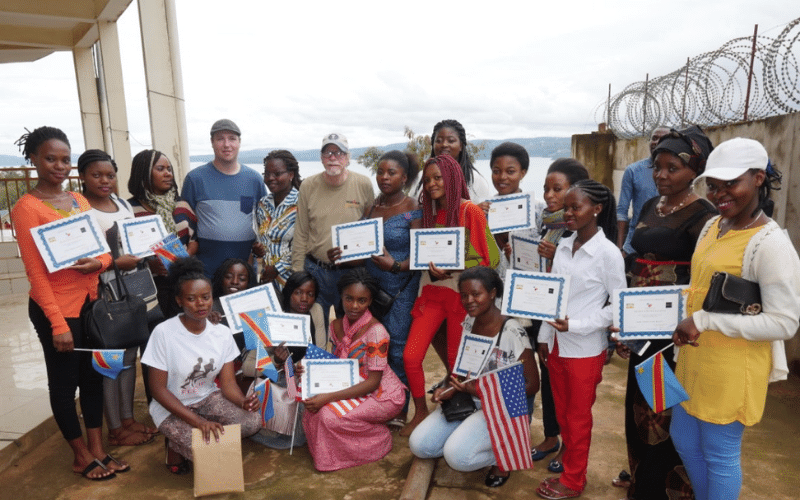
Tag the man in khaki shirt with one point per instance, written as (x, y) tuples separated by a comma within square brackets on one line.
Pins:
[(335, 196)]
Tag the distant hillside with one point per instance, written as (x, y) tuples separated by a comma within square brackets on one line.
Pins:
[(543, 147)]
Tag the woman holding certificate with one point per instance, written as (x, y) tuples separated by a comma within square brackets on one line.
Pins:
[(445, 203), (98, 174), (664, 240), (574, 347), (56, 300), (465, 443), (728, 358), (346, 428)]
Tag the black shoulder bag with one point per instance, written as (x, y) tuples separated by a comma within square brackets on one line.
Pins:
[(116, 323)]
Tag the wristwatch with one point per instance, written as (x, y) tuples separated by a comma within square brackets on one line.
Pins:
[(395, 267)]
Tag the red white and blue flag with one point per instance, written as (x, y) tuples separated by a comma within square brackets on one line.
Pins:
[(505, 408), (108, 362), (264, 363), (314, 352), (262, 390), (291, 384), (344, 406), (658, 384), (254, 327)]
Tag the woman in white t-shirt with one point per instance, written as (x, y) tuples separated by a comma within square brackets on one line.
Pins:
[(185, 355), (98, 174)]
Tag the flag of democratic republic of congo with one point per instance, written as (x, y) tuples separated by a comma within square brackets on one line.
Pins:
[(255, 327), (658, 384), (108, 362), (262, 389), (264, 363)]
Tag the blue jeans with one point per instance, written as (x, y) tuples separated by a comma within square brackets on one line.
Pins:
[(711, 454), (327, 294)]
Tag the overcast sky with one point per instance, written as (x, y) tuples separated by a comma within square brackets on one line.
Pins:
[(289, 72)]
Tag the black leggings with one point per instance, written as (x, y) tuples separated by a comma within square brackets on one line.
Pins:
[(66, 372)]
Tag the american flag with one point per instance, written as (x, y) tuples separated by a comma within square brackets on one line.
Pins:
[(314, 352), (502, 393), (345, 406), (291, 385)]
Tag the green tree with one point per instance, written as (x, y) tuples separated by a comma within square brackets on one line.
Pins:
[(370, 157)]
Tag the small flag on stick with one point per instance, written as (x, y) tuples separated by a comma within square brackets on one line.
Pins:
[(262, 389), (658, 384), (108, 362)]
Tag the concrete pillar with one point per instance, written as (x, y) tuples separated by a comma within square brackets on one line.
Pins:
[(91, 119), (165, 98), (117, 125)]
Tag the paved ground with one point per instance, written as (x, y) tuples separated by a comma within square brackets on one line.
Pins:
[(771, 455)]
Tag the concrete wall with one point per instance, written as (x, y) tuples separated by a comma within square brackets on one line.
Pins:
[(606, 157)]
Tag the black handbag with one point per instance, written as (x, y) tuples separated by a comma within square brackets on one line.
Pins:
[(732, 295), (116, 324), (140, 283), (459, 407), (382, 302)]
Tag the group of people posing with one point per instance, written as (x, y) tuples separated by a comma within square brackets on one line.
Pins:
[(242, 230)]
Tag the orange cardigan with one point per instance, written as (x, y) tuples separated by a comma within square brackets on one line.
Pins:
[(60, 294)]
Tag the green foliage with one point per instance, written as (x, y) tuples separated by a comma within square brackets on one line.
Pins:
[(10, 190), (370, 157)]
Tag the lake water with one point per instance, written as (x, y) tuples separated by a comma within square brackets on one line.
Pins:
[(533, 181)]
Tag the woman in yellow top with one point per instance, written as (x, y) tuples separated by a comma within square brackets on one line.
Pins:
[(730, 358)]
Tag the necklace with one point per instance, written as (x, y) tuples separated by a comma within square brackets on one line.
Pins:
[(62, 193), (382, 201), (730, 222), (674, 209)]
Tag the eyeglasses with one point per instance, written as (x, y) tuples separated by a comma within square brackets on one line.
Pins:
[(274, 175), (331, 154)]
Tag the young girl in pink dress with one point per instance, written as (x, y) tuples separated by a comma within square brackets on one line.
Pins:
[(360, 435)]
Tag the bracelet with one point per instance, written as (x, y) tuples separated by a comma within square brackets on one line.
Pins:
[(395, 267)]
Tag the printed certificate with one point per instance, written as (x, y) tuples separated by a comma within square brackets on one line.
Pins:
[(442, 246), (525, 254), (535, 295), (260, 297), (139, 234), (511, 212), (358, 240), (321, 376), (648, 313), (63, 242), (294, 329), (473, 352)]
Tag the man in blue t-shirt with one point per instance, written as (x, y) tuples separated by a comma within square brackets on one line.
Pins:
[(223, 194)]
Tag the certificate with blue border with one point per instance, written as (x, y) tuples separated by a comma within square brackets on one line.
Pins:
[(473, 352), (649, 312), (252, 299), (535, 295), (322, 376), (139, 234), (442, 246), (358, 240), (293, 329), (525, 254), (511, 212), (63, 242)]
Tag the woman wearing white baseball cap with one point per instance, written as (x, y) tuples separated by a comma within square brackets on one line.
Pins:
[(730, 358)]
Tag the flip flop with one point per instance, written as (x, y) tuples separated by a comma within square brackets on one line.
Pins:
[(110, 459), (129, 441), (548, 492), (396, 424), (92, 466), (623, 480)]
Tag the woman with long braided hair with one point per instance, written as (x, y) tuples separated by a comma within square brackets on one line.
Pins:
[(574, 347), (445, 203), (450, 138), (56, 300)]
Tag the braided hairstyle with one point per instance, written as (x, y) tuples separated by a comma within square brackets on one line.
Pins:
[(455, 188), (90, 156), (772, 182), (141, 174), (464, 159), (289, 161), (600, 194), (407, 161), (29, 142), (359, 275)]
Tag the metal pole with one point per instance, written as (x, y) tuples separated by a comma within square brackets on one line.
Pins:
[(685, 91), (608, 109), (644, 105), (750, 74)]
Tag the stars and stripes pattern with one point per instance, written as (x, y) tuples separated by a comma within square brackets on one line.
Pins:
[(345, 406), (314, 352), (505, 408), (658, 384), (291, 384)]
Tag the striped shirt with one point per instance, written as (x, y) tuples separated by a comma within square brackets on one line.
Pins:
[(275, 230)]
